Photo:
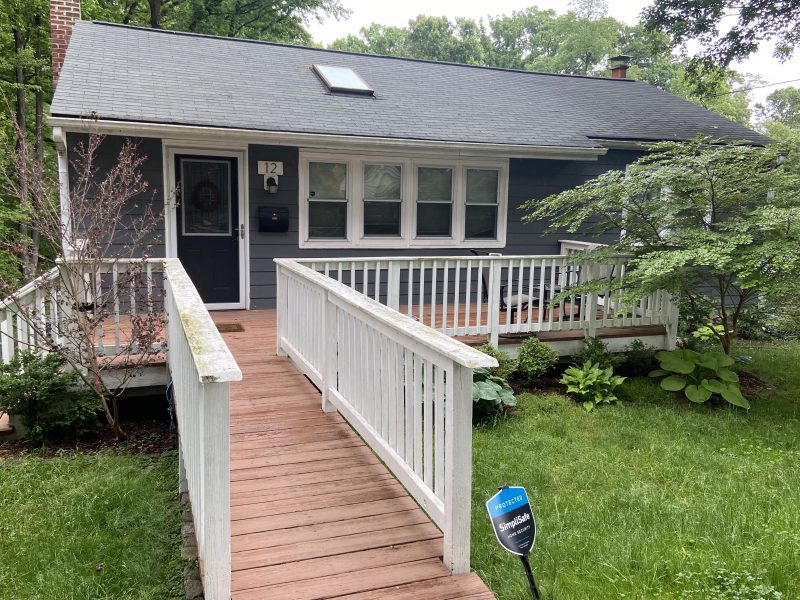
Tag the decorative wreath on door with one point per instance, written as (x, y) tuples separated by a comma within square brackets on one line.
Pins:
[(206, 196)]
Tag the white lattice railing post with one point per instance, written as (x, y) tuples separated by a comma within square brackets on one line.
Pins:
[(591, 301), (495, 274), (458, 466), (216, 491), (673, 316), (393, 286), (330, 339), (282, 309)]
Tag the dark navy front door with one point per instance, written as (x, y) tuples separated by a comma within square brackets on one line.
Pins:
[(208, 225)]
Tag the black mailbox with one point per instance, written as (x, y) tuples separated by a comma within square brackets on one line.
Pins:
[(273, 219)]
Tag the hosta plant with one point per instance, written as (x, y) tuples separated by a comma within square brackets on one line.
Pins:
[(709, 332), (592, 384), (490, 394), (700, 376)]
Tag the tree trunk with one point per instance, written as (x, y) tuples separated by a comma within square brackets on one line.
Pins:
[(155, 13), (33, 259), (21, 110)]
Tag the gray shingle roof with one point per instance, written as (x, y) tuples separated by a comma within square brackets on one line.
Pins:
[(127, 73)]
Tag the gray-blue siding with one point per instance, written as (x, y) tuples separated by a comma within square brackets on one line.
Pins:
[(528, 178)]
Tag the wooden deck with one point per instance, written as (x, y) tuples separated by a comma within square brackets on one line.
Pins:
[(314, 513)]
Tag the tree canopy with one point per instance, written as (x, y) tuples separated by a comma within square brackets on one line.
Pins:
[(276, 20), (717, 226), (782, 106), (578, 42), (730, 30)]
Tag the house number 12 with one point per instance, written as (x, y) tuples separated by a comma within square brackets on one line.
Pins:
[(270, 167)]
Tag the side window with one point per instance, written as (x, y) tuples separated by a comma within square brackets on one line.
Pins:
[(434, 202), (327, 200), (383, 199), (482, 191)]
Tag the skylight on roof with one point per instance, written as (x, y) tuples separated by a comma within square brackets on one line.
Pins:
[(342, 79)]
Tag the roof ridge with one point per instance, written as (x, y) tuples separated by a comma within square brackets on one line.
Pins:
[(351, 53)]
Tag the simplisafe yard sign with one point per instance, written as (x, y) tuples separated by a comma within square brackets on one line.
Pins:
[(514, 525)]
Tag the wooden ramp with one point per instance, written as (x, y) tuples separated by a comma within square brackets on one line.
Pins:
[(314, 513)]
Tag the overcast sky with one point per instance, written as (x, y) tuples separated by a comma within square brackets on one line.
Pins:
[(399, 12)]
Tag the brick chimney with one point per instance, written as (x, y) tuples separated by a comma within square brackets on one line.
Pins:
[(63, 14), (619, 66)]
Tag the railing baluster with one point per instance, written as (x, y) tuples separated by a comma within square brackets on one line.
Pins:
[(457, 299), (552, 308), (421, 316), (427, 432), (439, 425), (410, 291), (115, 292), (418, 391), (434, 301), (445, 328)]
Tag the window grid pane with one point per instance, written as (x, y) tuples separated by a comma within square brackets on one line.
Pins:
[(383, 182), (480, 222), (327, 181), (327, 220), (482, 186), (434, 184), (434, 219), (382, 218)]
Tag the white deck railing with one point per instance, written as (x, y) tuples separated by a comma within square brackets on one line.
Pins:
[(202, 367), (406, 389), (496, 295), (200, 364), (116, 291)]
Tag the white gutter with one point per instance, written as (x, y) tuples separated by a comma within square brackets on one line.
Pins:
[(314, 140)]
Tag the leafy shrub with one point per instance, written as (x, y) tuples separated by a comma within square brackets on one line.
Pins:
[(783, 323), (700, 376), (753, 322), (46, 396), (507, 366), (638, 358), (535, 358), (719, 583), (490, 394), (595, 351), (592, 384), (709, 333)]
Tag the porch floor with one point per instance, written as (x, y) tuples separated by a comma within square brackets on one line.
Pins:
[(314, 513)]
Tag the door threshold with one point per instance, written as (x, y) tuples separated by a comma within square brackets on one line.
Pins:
[(226, 306)]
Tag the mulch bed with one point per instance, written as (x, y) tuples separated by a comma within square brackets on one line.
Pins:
[(545, 385), (753, 385), (144, 437)]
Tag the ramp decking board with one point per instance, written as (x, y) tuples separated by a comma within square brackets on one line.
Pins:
[(315, 514)]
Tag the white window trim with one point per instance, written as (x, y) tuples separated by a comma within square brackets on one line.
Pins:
[(407, 239)]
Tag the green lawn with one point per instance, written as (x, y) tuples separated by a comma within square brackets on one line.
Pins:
[(651, 500), (89, 527)]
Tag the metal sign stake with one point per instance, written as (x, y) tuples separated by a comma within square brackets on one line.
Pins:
[(529, 574)]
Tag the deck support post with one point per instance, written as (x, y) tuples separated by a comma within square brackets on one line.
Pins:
[(458, 466), (330, 358), (6, 331), (393, 286), (591, 301), (495, 274), (281, 311), (216, 491), (673, 316)]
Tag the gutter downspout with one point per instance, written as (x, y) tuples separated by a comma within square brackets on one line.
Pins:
[(62, 159)]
